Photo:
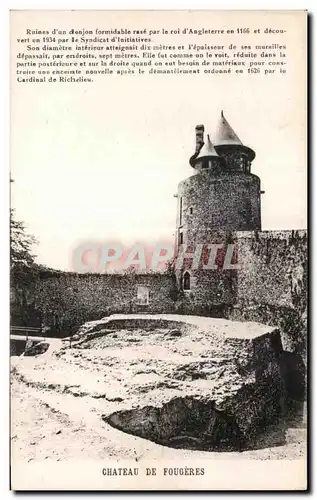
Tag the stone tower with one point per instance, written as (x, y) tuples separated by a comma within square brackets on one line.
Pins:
[(220, 198), (223, 194)]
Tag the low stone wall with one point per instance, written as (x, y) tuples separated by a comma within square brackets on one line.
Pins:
[(27, 347), (17, 347), (64, 301)]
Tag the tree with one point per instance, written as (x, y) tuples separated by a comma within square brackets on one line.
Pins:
[(23, 267)]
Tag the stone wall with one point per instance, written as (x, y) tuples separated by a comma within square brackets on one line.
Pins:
[(64, 301), (212, 292), (272, 283), (270, 288)]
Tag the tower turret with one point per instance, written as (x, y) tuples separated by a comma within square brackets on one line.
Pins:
[(222, 197), (207, 158), (238, 157), (223, 194)]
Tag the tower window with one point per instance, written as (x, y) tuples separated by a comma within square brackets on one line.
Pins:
[(142, 295), (181, 238), (205, 164), (191, 210), (186, 281)]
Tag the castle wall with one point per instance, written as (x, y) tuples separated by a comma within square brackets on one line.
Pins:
[(272, 283), (211, 292), (270, 288), (64, 301)]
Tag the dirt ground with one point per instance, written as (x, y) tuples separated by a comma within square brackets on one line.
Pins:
[(57, 413), (48, 427)]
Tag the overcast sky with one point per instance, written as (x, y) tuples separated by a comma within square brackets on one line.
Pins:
[(102, 161)]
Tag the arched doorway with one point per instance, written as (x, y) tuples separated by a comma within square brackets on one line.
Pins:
[(186, 280)]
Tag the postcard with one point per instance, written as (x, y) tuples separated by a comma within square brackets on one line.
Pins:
[(158, 250)]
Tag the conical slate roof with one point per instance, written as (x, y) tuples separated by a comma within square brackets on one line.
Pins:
[(225, 134), (207, 150)]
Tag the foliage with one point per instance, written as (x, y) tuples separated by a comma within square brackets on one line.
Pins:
[(23, 267)]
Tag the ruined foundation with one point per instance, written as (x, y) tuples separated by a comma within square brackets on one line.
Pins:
[(182, 382), (196, 383)]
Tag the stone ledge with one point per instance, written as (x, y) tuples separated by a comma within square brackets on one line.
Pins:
[(219, 326)]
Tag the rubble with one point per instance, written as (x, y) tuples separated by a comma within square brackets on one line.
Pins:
[(181, 381)]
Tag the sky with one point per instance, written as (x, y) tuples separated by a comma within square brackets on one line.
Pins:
[(102, 161)]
